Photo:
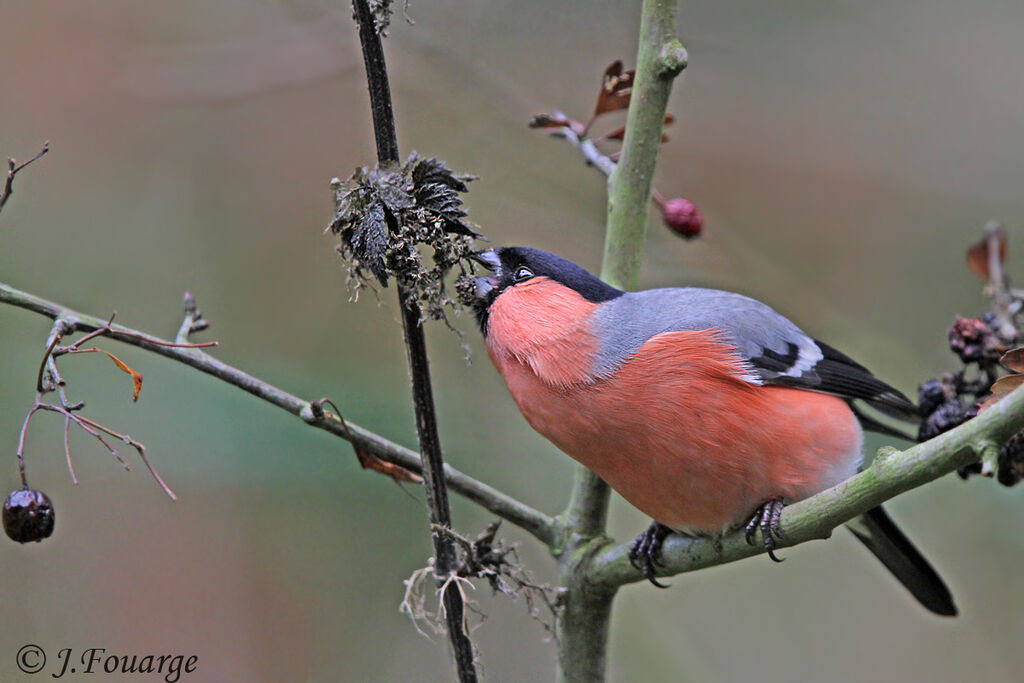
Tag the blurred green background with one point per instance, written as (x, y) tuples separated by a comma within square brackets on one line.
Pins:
[(844, 155)]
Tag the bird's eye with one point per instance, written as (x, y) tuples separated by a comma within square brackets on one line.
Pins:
[(522, 274)]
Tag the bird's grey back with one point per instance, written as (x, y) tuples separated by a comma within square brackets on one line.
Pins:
[(623, 325)]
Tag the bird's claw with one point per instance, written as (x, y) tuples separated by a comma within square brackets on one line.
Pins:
[(766, 517), (645, 552)]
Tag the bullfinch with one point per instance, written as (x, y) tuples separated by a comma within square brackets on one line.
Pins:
[(707, 410)]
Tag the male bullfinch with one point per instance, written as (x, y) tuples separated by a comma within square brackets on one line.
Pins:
[(707, 410)]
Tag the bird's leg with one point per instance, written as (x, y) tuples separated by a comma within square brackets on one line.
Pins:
[(645, 553), (766, 517)]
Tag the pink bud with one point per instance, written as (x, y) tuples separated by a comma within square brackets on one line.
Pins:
[(682, 217)]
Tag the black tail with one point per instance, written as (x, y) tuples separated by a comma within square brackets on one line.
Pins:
[(883, 538)]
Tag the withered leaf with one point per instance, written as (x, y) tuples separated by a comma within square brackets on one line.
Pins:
[(616, 89), (1005, 385), (1013, 359), (988, 403), (366, 460), (620, 132), (396, 472), (136, 377), (1001, 387), (392, 188), (369, 240), (978, 255), (443, 203), (433, 170)]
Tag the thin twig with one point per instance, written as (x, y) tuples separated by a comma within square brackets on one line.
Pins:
[(67, 448), (51, 369), (139, 448), (64, 325), (21, 444), (586, 147), (13, 168), (193, 321), (505, 506), (61, 326), (76, 347), (998, 281), (87, 426)]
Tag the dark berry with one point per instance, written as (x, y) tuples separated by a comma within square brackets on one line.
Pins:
[(966, 471), (1011, 461), (682, 217), (28, 515), (930, 396), (950, 414)]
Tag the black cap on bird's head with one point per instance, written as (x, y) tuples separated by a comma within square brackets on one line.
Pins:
[(513, 265)]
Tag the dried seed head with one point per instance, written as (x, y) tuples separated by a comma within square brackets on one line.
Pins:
[(931, 395), (974, 341), (950, 414), (404, 222)]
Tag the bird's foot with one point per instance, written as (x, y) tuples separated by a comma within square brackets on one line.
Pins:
[(645, 553), (766, 517)]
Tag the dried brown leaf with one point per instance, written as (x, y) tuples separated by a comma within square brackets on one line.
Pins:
[(366, 460), (977, 255), (616, 89), (620, 133), (396, 472), (136, 377), (1013, 359), (617, 134), (988, 403), (1005, 385), (1001, 387)]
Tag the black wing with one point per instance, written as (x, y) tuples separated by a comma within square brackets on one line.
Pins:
[(838, 374)]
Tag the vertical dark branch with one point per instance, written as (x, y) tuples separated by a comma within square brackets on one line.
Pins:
[(423, 399), (377, 80)]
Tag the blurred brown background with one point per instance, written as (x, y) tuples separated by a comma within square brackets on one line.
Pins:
[(844, 154)]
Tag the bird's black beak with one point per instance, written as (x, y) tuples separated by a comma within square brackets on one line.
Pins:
[(483, 286), (488, 259)]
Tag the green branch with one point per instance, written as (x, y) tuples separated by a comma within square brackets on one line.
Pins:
[(583, 628), (659, 60)]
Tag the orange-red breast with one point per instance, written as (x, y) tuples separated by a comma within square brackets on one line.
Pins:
[(705, 409)]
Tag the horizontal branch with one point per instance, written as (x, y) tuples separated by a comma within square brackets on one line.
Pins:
[(533, 521), (893, 472)]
